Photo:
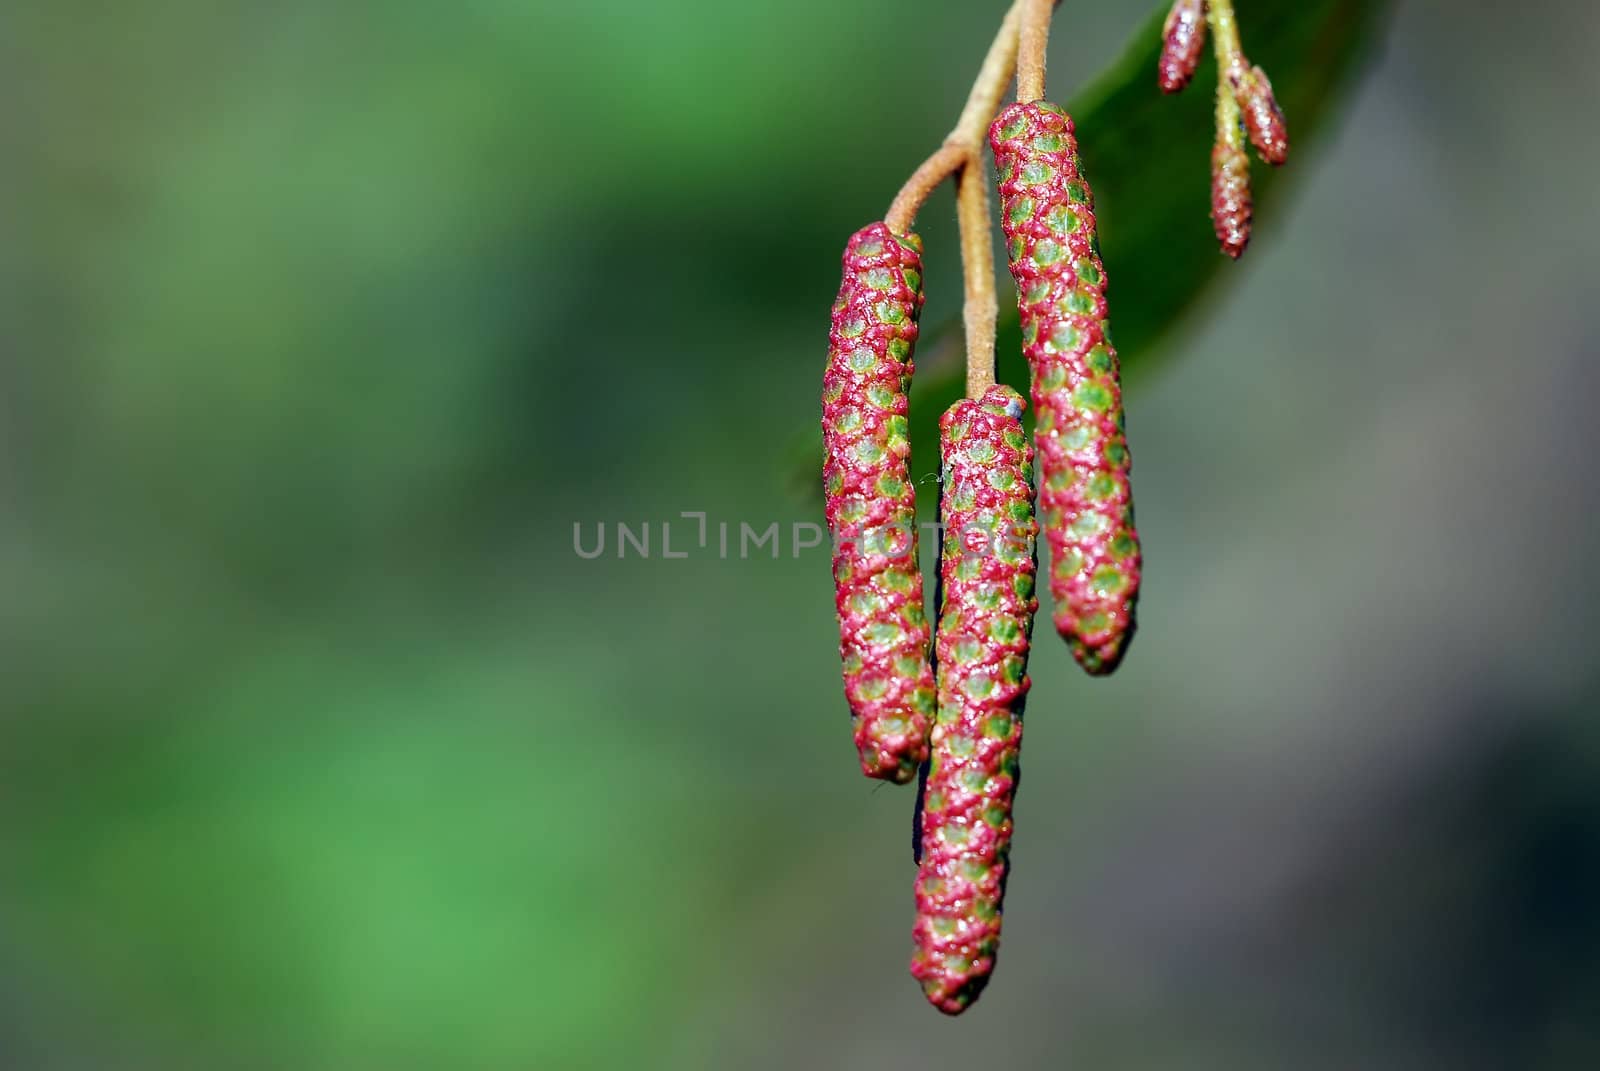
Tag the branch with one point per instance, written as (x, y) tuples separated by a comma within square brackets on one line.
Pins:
[(967, 137), (990, 88), (923, 181)]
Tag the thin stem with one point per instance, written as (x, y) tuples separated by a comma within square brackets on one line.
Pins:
[(967, 137), (1230, 60), (962, 155), (990, 88), (982, 307), (923, 181), (1035, 42)]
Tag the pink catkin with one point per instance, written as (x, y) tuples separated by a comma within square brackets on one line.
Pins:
[(1232, 205), (986, 618), (1183, 40), (1263, 119), (871, 502), (1085, 495)]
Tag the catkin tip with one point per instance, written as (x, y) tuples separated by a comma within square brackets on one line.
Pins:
[(1102, 661), (897, 766)]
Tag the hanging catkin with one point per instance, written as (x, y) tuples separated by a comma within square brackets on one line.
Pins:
[(1263, 119), (1085, 498), (1183, 39), (871, 502), (986, 617)]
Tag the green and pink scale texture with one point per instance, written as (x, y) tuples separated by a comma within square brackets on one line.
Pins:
[(986, 618), (871, 502), (1085, 498)]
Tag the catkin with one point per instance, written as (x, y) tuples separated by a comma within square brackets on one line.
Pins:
[(986, 618), (1183, 39), (871, 502), (1263, 119), (1232, 204), (1085, 498)]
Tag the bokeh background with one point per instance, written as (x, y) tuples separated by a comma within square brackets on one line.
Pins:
[(323, 323)]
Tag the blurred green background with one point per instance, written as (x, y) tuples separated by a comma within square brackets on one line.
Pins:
[(322, 324)]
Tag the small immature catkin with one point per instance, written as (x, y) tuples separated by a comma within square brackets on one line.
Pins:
[(1183, 39), (871, 502), (1085, 498), (987, 572), (1263, 119), (1232, 206)]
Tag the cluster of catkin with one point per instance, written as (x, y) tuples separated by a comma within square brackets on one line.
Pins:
[(956, 718), (1246, 106)]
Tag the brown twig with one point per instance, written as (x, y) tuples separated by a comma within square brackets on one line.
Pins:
[(967, 137), (1034, 44), (962, 155), (990, 87), (982, 307), (923, 181)]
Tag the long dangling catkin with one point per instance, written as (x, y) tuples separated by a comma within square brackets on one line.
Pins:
[(1183, 39), (871, 502), (1085, 498), (987, 574)]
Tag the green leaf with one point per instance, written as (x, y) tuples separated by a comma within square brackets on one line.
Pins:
[(1148, 157)]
